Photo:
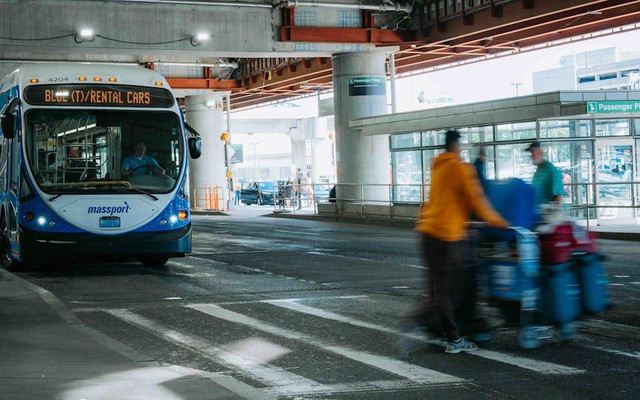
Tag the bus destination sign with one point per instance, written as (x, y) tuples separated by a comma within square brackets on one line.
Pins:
[(98, 95)]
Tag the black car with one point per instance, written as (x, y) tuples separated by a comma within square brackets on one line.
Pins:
[(261, 192)]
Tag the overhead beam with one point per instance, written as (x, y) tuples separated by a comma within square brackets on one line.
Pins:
[(205, 83), (345, 35)]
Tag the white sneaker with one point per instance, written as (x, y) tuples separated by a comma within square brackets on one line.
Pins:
[(459, 345)]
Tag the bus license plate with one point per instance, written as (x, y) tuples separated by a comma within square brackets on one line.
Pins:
[(109, 222)]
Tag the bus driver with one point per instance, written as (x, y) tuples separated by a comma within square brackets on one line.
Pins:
[(133, 164)]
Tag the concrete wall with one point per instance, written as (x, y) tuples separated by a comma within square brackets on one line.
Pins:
[(236, 31)]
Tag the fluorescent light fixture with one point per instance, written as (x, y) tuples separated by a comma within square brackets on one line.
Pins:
[(200, 38), (210, 104), (85, 35)]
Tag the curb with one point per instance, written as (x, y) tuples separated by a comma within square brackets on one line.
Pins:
[(73, 321), (228, 382), (217, 213), (400, 223), (409, 223), (627, 236)]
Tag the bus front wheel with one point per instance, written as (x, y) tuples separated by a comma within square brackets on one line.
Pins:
[(154, 260)]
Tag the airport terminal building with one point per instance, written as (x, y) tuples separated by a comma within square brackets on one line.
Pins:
[(591, 136)]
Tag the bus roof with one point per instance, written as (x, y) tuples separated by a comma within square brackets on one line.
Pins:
[(69, 73)]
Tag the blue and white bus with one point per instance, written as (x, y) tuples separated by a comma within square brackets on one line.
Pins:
[(93, 165)]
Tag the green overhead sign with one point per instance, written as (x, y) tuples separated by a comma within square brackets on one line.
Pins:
[(367, 86), (602, 107)]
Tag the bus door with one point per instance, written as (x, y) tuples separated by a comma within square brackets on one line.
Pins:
[(11, 199)]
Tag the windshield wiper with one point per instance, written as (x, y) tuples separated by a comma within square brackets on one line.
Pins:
[(126, 184)]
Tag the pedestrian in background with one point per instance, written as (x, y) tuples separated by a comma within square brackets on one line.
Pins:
[(309, 189), (480, 164), (288, 192), (299, 182), (547, 180), (455, 194), (238, 192)]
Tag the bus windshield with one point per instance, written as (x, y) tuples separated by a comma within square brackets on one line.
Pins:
[(89, 151)]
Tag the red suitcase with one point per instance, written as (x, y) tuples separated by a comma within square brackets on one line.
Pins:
[(567, 239)]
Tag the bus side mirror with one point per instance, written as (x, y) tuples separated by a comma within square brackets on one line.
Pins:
[(195, 143), (8, 119), (195, 147)]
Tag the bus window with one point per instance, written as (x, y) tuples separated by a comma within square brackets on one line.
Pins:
[(15, 165), (104, 150), (4, 153)]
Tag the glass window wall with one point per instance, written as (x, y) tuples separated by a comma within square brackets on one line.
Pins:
[(517, 131), (405, 140), (407, 175), (613, 127), (565, 129), (478, 134), (586, 151), (514, 161), (433, 138)]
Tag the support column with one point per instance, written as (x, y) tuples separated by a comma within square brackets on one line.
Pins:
[(205, 114), (360, 159)]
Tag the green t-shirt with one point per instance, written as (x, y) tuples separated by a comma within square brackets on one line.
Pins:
[(548, 182)]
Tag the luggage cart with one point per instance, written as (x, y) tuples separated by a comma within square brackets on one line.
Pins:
[(528, 295)]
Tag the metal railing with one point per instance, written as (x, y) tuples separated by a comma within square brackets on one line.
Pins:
[(587, 200), (209, 198)]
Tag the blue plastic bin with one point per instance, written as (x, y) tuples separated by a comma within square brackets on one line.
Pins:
[(560, 294), (515, 200), (593, 283)]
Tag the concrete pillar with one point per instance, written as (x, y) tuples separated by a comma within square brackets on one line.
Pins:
[(360, 159), (204, 113)]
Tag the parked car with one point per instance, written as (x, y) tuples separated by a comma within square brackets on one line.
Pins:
[(260, 192)]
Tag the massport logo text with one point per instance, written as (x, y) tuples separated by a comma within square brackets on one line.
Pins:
[(110, 209)]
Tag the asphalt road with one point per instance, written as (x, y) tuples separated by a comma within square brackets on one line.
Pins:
[(307, 309)]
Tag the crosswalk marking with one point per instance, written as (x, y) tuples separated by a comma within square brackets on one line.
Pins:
[(410, 371), (522, 362), (268, 374)]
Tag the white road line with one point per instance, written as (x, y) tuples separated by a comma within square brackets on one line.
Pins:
[(635, 355), (522, 362), (621, 276), (298, 233), (357, 387), (267, 374), (179, 264), (410, 371)]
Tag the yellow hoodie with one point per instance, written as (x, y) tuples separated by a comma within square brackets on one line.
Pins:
[(454, 195)]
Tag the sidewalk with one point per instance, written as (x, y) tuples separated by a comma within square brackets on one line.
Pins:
[(47, 353)]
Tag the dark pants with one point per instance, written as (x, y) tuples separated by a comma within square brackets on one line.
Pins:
[(442, 259)]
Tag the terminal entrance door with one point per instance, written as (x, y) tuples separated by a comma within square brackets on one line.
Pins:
[(614, 174)]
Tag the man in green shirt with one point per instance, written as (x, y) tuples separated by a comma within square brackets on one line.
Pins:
[(547, 179)]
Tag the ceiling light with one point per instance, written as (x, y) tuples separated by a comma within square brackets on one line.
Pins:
[(85, 35), (200, 38), (594, 12)]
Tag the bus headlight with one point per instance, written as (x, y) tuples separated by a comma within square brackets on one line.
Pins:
[(41, 220), (183, 214), (52, 224), (163, 221), (173, 219)]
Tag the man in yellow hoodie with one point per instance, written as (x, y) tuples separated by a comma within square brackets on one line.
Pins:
[(454, 196)]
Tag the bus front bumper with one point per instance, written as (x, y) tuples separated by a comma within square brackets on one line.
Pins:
[(36, 245)]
